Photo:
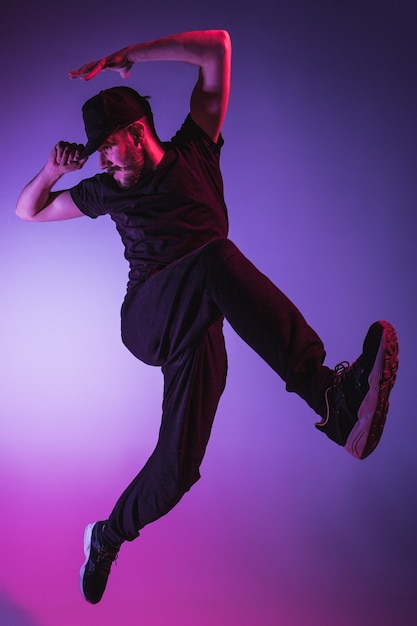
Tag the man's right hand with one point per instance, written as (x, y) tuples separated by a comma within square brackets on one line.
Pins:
[(65, 157)]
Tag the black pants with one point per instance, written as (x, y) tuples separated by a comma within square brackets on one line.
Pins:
[(174, 320)]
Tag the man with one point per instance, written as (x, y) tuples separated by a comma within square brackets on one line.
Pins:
[(167, 202)]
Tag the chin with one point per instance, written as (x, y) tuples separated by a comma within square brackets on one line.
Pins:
[(123, 183), (128, 176)]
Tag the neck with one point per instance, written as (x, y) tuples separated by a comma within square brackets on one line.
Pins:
[(154, 152)]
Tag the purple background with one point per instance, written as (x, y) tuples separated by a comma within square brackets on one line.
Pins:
[(285, 528)]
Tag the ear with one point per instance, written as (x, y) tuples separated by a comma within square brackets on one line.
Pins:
[(137, 132)]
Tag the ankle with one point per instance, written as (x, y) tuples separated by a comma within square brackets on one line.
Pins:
[(107, 539)]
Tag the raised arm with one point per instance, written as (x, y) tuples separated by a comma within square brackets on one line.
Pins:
[(37, 202), (209, 50)]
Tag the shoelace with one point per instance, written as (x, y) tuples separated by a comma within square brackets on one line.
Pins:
[(341, 369), (105, 560)]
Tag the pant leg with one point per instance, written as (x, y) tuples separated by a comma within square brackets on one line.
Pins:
[(193, 384), (267, 321)]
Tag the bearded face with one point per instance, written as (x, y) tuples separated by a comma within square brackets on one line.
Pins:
[(123, 158)]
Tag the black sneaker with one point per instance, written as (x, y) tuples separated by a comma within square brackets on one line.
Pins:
[(357, 402), (99, 558)]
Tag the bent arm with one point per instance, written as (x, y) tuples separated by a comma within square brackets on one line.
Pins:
[(209, 50), (37, 202)]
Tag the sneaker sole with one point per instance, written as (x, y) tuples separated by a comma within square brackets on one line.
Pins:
[(87, 545), (373, 411)]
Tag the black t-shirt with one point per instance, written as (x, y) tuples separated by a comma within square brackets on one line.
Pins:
[(170, 212)]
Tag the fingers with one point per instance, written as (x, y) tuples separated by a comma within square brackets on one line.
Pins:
[(89, 70), (117, 62), (67, 155), (125, 70)]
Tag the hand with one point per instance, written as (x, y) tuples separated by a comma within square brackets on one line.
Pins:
[(66, 157), (118, 62)]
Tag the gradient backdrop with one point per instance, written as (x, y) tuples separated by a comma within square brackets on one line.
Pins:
[(285, 528)]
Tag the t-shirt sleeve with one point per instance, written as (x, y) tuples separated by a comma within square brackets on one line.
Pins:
[(191, 132), (88, 196)]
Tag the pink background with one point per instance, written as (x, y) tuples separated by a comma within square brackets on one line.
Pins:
[(285, 528)]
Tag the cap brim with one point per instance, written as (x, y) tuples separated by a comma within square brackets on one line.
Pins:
[(92, 146)]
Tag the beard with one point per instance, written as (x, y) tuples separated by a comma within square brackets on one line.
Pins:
[(131, 172)]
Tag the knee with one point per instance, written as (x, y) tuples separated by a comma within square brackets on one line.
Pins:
[(142, 348)]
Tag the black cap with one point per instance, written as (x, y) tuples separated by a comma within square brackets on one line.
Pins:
[(109, 111)]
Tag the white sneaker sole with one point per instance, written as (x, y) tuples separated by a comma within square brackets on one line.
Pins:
[(87, 545)]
